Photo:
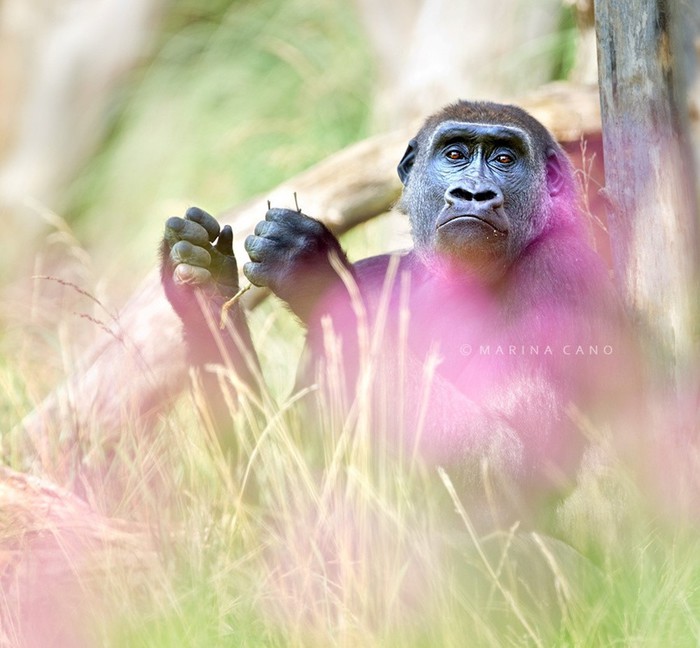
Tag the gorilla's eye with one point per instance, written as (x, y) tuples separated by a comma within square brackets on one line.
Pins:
[(504, 158), (454, 154)]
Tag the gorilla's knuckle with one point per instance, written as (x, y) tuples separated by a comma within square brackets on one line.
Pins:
[(314, 227), (276, 214), (256, 274), (258, 248), (278, 231), (205, 220), (262, 228), (197, 214), (172, 231), (182, 248)]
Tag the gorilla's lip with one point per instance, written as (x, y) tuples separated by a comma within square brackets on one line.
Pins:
[(486, 220)]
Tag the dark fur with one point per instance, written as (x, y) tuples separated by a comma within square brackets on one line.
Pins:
[(537, 282)]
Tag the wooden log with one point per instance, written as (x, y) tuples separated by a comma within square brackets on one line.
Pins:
[(650, 174), (135, 369)]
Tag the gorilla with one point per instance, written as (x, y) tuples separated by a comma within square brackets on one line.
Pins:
[(501, 294)]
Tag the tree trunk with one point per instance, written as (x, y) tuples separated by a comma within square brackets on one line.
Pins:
[(649, 174)]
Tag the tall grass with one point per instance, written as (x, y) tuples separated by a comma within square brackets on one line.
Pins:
[(311, 527)]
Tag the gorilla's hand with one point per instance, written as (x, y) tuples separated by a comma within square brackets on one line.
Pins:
[(290, 254), (196, 253)]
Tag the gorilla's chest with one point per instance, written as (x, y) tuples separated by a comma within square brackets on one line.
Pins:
[(453, 323)]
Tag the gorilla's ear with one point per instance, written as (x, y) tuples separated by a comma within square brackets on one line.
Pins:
[(556, 178), (406, 164)]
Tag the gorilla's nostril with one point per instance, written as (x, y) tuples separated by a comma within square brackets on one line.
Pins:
[(460, 194), (483, 196)]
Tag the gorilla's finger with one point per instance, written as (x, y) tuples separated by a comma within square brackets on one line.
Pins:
[(179, 229), (185, 252), (255, 274), (173, 226), (264, 228), (291, 221), (207, 221), (189, 275), (225, 242), (227, 271), (257, 247)]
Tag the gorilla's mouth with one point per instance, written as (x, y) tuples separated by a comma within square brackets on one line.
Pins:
[(493, 221)]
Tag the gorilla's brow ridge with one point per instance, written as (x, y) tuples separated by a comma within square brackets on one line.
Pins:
[(506, 133)]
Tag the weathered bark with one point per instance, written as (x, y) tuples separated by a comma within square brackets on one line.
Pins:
[(133, 371), (650, 174)]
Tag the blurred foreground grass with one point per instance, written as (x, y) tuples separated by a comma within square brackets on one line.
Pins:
[(315, 533), (302, 532)]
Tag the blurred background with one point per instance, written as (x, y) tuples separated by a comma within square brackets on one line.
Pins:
[(116, 114)]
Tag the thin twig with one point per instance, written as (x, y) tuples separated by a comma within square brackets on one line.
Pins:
[(229, 304)]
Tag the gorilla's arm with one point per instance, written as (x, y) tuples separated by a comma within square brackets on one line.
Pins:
[(199, 274)]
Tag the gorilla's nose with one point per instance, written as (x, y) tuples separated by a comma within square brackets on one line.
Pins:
[(473, 197)]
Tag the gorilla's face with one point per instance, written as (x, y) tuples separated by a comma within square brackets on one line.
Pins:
[(477, 193)]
